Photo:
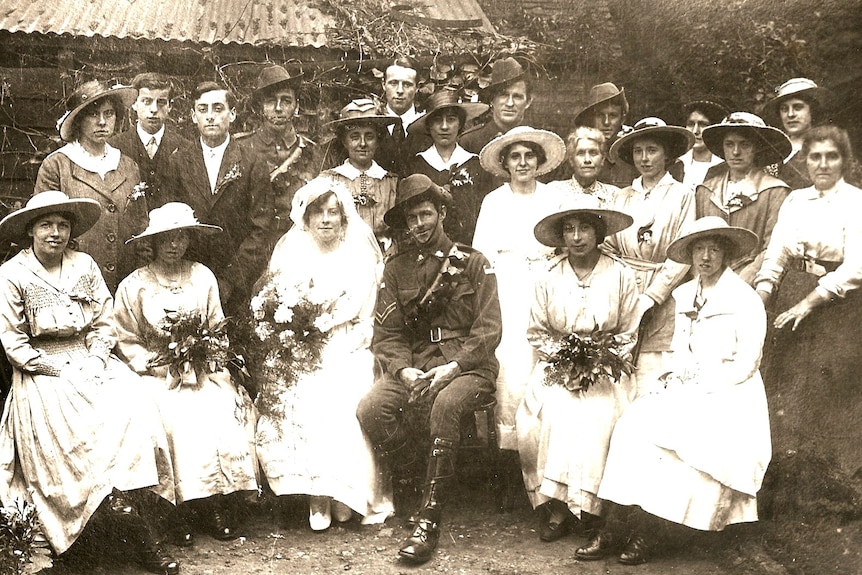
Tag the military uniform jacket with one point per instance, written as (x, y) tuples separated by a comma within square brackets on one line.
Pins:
[(467, 330), (154, 171), (279, 170), (238, 254)]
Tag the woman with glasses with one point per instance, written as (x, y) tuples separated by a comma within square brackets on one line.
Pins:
[(88, 167)]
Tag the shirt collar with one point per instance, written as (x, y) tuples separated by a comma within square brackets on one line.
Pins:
[(459, 156), (666, 180), (146, 136), (407, 118), (100, 165), (351, 172), (442, 244), (218, 151)]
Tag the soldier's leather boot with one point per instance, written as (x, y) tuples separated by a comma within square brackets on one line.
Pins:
[(420, 546)]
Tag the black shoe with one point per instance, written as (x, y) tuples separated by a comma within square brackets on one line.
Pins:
[(182, 537), (599, 547), (119, 505), (553, 530), (420, 546), (220, 527), (635, 552), (155, 560)]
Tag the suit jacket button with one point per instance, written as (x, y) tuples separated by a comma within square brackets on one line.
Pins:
[(111, 208)]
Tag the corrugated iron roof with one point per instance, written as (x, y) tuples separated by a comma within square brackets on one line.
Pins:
[(258, 22), (280, 22)]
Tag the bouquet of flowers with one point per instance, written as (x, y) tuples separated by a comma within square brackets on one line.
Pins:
[(21, 551), (292, 327), (189, 346), (578, 362)]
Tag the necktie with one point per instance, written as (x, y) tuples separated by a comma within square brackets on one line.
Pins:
[(152, 147), (398, 133)]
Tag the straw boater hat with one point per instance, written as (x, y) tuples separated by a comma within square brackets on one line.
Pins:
[(173, 216), (549, 231), (275, 76), (362, 111), (802, 88), (772, 144), (413, 189), (676, 139), (601, 94), (555, 150), (503, 72), (86, 94), (713, 110), (710, 226), (447, 98), (85, 211)]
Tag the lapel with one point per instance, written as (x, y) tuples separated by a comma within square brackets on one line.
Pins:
[(193, 172), (231, 170), (171, 144), (105, 188)]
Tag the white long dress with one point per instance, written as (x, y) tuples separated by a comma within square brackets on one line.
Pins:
[(563, 436), (695, 453), (504, 235), (66, 442), (318, 447), (210, 421)]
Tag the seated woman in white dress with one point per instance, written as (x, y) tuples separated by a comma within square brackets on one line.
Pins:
[(311, 442), (695, 451), (79, 429), (563, 434), (212, 452)]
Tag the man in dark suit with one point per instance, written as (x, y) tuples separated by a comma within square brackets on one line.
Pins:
[(399, 90), (152, 142), (214, 178), (509, 94)]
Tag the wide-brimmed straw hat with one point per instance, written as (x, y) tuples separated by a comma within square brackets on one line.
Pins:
[(676, 139), (599, 95), (362, 111), (86, 94), (275, 76), (173, 216), (771, 143), (447, 98), (802, 88), (555, 150), (411, 190), (86, 213), (713, 110), (549, 231), (710, 226), (504, 71)]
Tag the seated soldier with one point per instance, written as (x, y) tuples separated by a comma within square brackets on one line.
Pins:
[(437, 326)]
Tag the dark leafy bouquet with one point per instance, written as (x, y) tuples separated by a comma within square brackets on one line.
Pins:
[(291, 326), (578, 362), (22, 549), (189, 346), (420, 313)]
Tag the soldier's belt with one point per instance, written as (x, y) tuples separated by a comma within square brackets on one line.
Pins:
[(439, 334)]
